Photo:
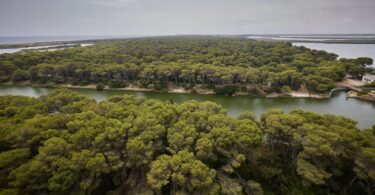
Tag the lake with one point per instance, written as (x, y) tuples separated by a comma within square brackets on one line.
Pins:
[(358, 110), (343, 50)]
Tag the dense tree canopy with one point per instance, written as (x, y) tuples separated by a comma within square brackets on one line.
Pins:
[(185, 61), (66, 143)]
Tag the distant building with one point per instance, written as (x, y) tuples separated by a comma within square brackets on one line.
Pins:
[(368, 78)]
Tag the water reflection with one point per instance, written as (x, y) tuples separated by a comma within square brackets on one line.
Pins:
[(361, 111)]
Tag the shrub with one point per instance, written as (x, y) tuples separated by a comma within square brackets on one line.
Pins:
[(370, 84), (144, 84), (160, 85), (84, 82), (363, 92), (227, 90), (3, 77), (285, 89), (211, 86), (49, 84), (99, 87), (75, 82), (20, 75), (255, 93), (116, 84), (58, 80)]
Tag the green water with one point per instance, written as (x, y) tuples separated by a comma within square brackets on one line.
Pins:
[(359, 110)]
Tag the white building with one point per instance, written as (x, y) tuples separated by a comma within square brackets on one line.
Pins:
[(368, 78)]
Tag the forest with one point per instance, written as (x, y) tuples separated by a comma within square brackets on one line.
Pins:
[(67, 143), (186, 61)]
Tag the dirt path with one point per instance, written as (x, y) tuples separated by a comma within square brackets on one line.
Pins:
[(351, 82)]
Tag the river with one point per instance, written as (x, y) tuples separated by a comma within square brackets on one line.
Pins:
[(358, 110)]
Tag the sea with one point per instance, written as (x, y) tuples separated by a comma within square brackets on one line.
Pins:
[(36, 39)]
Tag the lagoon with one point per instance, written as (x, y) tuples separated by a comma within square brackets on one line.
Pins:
[(343, 50), (42, 48), (358, 110)]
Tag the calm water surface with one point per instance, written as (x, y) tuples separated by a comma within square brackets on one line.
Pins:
[(344, 50), (36, 39), (14, 50), (361, 111)]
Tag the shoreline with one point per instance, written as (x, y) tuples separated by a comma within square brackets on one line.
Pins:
[(369, 97), (357, 40), (173, 90), (48, 43)]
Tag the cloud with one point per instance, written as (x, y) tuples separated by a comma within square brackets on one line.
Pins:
[(36, 17), (117, 3)]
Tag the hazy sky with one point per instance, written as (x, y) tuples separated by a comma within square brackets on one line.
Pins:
[(162, 17)]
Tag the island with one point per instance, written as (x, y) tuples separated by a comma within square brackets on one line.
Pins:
[(186, 64)]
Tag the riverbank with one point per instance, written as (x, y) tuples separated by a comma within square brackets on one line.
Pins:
[(296, 94), (338, 104), (302, 92), (176, 90), (49, 43), (368, 96), (326, 39)]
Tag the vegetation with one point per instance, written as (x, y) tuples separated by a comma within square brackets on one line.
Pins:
[(99, 87), (184, 61), (363, 92), (226, 90), (66, 143), (372, 84), (285, 89)]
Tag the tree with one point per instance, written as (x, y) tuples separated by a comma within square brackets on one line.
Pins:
[(184, 173), (66, 143), (322, 148), (183, 61)]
